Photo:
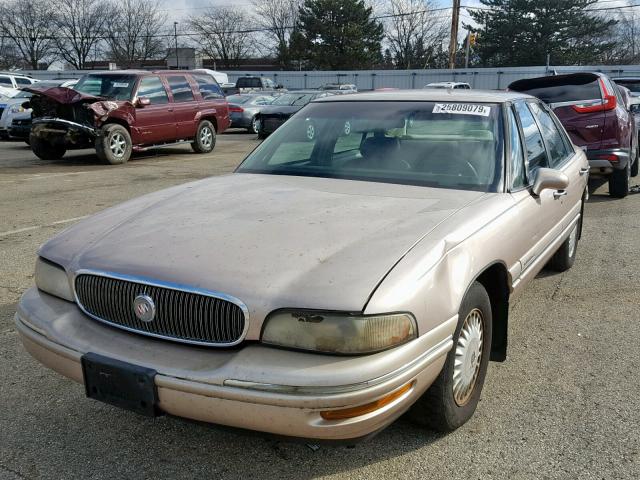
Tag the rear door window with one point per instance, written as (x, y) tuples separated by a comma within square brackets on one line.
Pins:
[(556, 145), (209, 88), (23, 81), (536, 153), (153, 89), (180, 88)]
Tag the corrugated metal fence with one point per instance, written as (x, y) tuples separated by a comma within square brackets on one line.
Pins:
[(489, 78)]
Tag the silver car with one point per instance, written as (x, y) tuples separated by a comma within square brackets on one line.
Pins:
[(327, 286), (11, 108), (245, 108)]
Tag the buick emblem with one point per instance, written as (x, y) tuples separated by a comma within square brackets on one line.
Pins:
[(144, 308)]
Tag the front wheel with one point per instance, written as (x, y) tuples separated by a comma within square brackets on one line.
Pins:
[(454, 396), (113, 144), (205, 137), (255, 125)]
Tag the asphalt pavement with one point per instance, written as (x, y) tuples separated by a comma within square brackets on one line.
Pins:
[(565, 404)]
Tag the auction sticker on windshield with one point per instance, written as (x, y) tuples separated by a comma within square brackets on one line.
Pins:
[(462, 109)]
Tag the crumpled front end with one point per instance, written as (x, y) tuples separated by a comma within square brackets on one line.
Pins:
[(66, 117)]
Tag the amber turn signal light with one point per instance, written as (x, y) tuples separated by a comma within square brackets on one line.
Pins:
[(368, 407)]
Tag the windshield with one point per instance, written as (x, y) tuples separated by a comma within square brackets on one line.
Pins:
[(436, 144), (293, 99), (113, 87)]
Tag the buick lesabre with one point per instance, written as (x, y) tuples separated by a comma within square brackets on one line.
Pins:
[(330, 284)]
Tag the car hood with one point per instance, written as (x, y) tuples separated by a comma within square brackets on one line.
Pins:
[(271, 241), (281, 109), (62, 95)]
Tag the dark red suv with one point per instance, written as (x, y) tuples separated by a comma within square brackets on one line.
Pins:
[(596, 114), (123, 111)]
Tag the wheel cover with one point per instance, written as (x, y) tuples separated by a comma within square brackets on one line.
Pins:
[(573, 241), (468, 357), (255, 124), (117, 145), (311, 132), (206, 137)]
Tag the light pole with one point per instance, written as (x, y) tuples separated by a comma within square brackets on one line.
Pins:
[(175, 36)]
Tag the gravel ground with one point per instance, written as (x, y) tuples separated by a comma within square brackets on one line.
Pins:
[(564, 405)]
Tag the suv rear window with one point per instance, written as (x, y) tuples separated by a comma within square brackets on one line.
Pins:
[(560, 88), (249, 83), (180, 88), (208, 86)]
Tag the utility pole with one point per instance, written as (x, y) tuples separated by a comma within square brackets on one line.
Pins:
[(175, 36), (466, 50), (453, 42)]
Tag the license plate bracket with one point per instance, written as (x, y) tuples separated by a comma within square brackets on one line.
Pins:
[(121, 384)]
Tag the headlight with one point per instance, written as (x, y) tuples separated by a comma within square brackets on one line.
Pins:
[(16, 109), (338, 332), (52, 279)]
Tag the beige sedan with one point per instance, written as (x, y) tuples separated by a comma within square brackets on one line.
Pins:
[(328, 285)]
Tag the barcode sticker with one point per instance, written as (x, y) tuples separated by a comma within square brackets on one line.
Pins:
[(462, 109)]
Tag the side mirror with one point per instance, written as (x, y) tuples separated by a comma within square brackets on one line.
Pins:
[(143, 102), (548, 178)]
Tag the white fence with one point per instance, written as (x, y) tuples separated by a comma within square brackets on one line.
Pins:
[(487, 78)]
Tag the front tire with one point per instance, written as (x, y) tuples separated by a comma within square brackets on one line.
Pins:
[(113, 145), (255, 125), (44, 149), (205, 137), (619, 182), (565, 257), (453, 397)]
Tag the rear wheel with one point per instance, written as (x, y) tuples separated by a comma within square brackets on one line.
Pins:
[(113, 144), (255, 125), (619, 182), (44, 149), (205, 137), (454, 396), (636, 164), (565, 257)]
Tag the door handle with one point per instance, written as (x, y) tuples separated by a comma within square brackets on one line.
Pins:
[(170, 110), (559, 193), (584, 170)]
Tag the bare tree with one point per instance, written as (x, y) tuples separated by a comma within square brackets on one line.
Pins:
[(9, 57), (278, 17), (414, 32), (26, 24), (80, 29), (224, 33), (133, 32)]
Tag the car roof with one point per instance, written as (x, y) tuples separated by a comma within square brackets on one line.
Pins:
[(493, 96)]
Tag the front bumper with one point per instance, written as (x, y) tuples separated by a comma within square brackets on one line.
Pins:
[(255, 387)]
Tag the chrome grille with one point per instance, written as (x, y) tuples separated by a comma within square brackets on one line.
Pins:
[(184, 316)]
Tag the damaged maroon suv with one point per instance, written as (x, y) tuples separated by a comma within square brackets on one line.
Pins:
[(595, 113), (123, 111)]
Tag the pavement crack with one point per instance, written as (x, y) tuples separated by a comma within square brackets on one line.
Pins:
[(556, 290), (10, 470)]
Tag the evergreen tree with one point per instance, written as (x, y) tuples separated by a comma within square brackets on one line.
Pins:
[(338, 34), (523, 32)]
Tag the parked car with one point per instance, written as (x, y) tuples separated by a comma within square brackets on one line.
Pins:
[(251, 84), (273, 116), (7, 92), (10, 109), (17, 120), (597, 117), (340, 88), (119, 112), (245, 108), (328, 286), (221, 78), (13, 80), (632, 83), (452, 85)]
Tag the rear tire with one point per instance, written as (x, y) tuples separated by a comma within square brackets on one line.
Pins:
[(44, 149), (205, 137), (565, 257), (619, 182), (113, 145), (636, 164), (255, 125), (453, 397)]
